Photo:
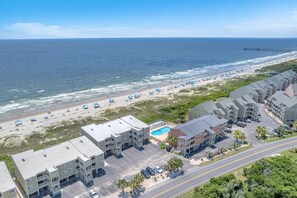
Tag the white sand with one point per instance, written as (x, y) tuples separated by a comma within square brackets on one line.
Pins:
[(77, 112)]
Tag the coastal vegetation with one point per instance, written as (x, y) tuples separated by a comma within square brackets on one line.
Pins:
[(271, 177), (173, 108)]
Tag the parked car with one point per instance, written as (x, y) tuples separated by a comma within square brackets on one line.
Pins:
[(274, 131), (150, 171), (145, 174), (248, 121), (228, 131), (176, 173), (33, 120), (158, 169), (93, 194), (241, 124)]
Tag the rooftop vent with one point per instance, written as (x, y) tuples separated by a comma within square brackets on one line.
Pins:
[(45, 155), (23, 160), (120, 122), (109, 126), (67, 147), (92, 129), (130, 118), (81, 141)]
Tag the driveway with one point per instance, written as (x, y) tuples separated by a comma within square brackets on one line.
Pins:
[(250, 129)]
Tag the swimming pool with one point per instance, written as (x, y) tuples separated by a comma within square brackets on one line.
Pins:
[(160, 131)]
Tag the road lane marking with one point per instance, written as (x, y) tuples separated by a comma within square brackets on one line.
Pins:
[(197, 176)]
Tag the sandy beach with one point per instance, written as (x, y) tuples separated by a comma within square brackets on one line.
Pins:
[(75, 112)]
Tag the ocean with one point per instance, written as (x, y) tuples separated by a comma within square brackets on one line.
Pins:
[(39, 74)]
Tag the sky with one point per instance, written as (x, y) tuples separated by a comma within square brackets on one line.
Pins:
[(35, 19)]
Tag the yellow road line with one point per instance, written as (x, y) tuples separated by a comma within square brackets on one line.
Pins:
[(184, 182)]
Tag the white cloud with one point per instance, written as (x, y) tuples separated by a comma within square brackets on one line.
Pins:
[(39, 30), (285, 26)]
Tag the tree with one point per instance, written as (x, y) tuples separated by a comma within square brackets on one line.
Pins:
[(239, 135), (174, 164), (122, 183), (236, 134), (262, 132), (136, 182), (172, 140)]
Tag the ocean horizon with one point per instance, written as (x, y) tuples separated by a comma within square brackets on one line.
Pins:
[(43, 73)]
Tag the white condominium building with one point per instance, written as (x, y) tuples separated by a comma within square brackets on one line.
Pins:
[(44, 171), (7, 186), (114, 136)]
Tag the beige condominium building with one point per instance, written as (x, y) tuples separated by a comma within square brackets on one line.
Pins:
[(198, 133), (45, 171), (282, 106), (114, 136), (247, 108), (7, 186)]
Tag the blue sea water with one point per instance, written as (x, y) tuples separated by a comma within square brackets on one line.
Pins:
[(37, 74)]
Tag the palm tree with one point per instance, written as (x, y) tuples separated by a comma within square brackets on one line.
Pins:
[(237, 134), (122, 183), (262, 131), (242, 137)]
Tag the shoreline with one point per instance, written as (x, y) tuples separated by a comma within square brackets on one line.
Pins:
[(59, 113)]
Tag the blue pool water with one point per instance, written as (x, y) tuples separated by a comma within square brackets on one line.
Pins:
[(161, 131)]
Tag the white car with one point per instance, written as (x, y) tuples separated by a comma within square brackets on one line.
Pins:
[(158, 169), (93, 194)]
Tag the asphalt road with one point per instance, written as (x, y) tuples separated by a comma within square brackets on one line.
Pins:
[(201, 175)]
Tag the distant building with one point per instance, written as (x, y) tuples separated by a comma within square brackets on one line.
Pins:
[(206, 108), (292, 90), (7, 186), (44, 171), (114, 136), (198, 133), (282, 106), (230, 109), (247, 108)]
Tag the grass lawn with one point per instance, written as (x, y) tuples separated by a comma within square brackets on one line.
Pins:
[(230, 153), (281, 138)]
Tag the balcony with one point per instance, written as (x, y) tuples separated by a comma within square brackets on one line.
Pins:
[(41, 177), (43, 184)]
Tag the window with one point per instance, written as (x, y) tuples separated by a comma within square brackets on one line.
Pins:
[(29, 187), (92, 158), (55, 179), (11, 191), (76, 161), (29, 180), (77, 167)]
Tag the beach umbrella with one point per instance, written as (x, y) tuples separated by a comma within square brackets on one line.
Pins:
[(158, 89), (96, 105), (151, 93), (130, 97), (18, 122), (136, 95), (111, 100), (85, 107)]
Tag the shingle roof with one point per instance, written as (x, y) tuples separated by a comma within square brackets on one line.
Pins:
[(199, 125)]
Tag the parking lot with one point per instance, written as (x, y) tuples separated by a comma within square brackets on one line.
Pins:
[(250, 129), (127, 166)]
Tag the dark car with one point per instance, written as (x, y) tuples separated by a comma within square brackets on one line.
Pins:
[(150, 171), (145, 174)]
